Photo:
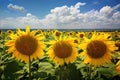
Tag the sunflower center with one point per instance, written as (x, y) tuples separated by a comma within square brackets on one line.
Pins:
[(62, 49), (96, 49), (26, 45), (57, 34), (75, 41), (81, 35), (71, 33)]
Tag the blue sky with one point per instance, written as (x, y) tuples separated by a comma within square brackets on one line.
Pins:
[(60, 14)]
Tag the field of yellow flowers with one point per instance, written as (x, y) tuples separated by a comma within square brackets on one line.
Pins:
[(59, 55)]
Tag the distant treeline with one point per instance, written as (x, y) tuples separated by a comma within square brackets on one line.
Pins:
[(105, 30)]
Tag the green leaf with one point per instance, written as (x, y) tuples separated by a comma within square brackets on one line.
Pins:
[(43, 74), (21, 64), (1, 45), (107, 72), (1, 49), (46, 67), (10, 70), (19, 72), (80, 65)]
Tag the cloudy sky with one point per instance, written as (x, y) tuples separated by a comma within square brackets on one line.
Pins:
[(60, 14)]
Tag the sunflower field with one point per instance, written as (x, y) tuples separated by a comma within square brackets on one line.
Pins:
[(59, 55)]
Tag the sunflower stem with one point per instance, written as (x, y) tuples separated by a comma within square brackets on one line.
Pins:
[(90, 72), (62, 73), (29, 68), (99, 76)]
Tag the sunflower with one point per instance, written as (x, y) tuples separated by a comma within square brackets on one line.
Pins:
[(24, 45), (117, 43), (97, 50), (56, 34), (39, 31), (10, 32), (80, 35), (62, 51)]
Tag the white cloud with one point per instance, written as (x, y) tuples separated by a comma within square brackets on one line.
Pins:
[(22, 22), (79, 4), (69, 17), (64, 15), (16, 7)]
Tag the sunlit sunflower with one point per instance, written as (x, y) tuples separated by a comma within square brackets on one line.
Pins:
[(39, 31), (63, 51), (56, 34), (117, 43), (77, 41), (10, 32), (81, 35), (24, 45), (71, 33), (97, 50)]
